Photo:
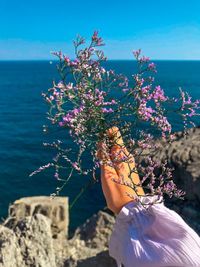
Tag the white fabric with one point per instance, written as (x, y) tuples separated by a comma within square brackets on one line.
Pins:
[(153, 237)]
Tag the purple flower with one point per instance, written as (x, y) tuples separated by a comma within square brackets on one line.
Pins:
[(60, 85), (97, 40), (67, 60), (152, 66), (68, 117), (56, 175), (137, 53), (163, 123), (107, 110), (145, 113), (125, 90), (158, 94), (144, 59), (61, 123), (75, 166)]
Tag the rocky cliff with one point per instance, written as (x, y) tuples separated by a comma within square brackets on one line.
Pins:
[(183, 154)]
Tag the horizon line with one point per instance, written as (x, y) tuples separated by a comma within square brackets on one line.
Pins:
[(54, 60)]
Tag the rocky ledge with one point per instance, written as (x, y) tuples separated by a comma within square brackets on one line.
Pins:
[(183, 154), (35, 232)]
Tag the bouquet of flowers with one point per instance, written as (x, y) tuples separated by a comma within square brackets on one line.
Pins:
[(90, 99)]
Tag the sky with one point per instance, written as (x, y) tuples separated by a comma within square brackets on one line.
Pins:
[(163, 29)]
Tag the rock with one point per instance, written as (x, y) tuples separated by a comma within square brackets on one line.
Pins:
[(10, 254), (89, 245), (102, 259), (191, 213), (35, 240), (96, 231), (29, 243), (54, 208), (183, 154)]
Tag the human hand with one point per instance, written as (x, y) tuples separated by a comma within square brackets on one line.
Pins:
[(120, 181)]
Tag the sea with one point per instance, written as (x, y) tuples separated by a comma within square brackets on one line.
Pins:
[(23, 114)]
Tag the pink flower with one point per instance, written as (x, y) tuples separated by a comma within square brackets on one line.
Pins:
[(158, 94), (145, 113), (144, 59), (137, 53), (152, 67), (107, 110), (75, 165)]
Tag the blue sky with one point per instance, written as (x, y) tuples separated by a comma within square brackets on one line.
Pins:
[(163, 29)]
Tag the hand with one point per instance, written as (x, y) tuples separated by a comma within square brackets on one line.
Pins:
[(117, 163)]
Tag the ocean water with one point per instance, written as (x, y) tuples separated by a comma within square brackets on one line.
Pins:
[(22, 114)]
